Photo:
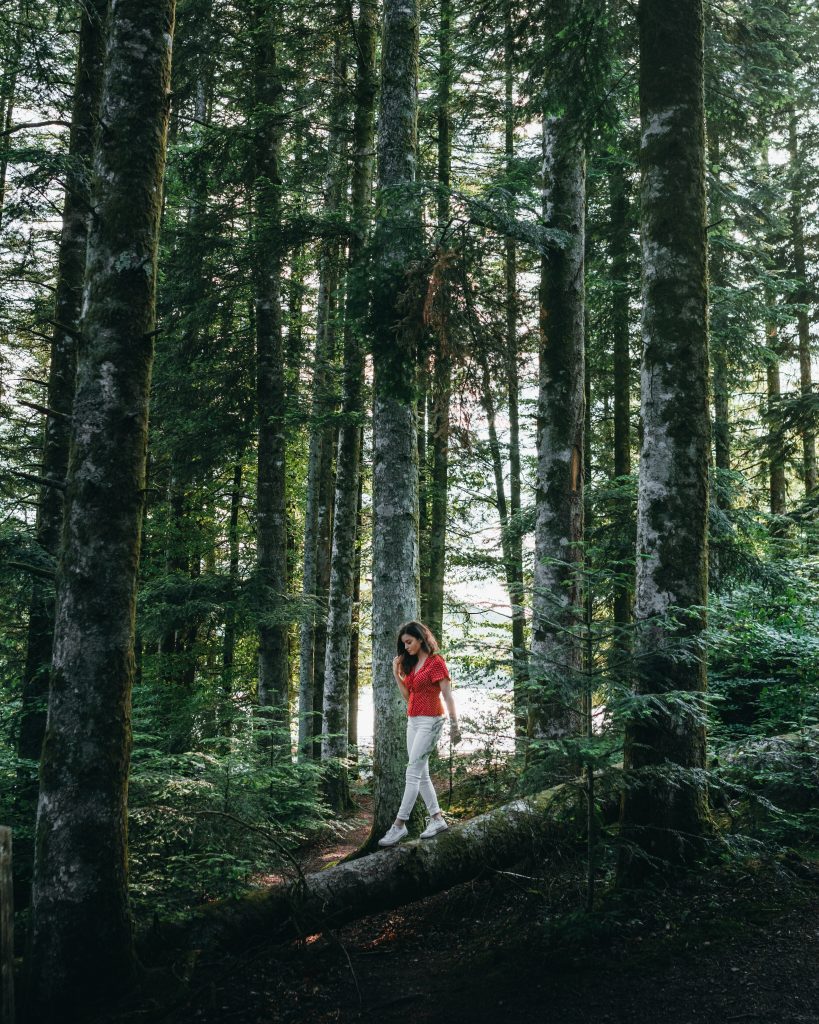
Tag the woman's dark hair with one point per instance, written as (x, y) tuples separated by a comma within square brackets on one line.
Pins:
[(420, 632)]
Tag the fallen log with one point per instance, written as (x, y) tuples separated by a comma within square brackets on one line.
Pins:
[(381, 881)]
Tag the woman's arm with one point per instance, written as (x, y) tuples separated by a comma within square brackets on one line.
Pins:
[(396, 669), (449, 700)]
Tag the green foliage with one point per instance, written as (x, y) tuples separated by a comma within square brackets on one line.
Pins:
[(764, 657), (210, 823)]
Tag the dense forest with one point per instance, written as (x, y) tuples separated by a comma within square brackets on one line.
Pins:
[(318, 319)]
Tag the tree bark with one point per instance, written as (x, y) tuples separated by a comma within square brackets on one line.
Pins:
[(520, 653), (355, 631), (802, 297), (229, 641), (618, 257), (559, 487), (61, 378), (340, 695), (719, 361), (271, 503), (397, 298), (8, 93), (665, 810), (80, 938), (317, 535), (442, 360)]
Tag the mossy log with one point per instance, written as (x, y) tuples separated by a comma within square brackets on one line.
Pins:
[(383, 880)]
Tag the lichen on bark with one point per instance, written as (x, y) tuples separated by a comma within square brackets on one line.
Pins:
[(80, 936), (665, 810)]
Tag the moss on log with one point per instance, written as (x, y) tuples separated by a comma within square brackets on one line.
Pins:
[(381, 881)]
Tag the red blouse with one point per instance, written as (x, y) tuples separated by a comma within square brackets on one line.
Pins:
[(424, 691)]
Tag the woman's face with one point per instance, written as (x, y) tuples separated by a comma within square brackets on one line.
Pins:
[(412, 645)]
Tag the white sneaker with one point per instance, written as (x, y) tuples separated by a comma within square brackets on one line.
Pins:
[(394, 835), (434, 826)]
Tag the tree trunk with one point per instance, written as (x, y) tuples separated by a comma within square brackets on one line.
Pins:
[(355, 633), (719, 361), (559, 487), (442, 361), (397, 298), (665, 810), (61, 378), (618, 256), (422, 419), (802, 297), (229, 642), (520, 653), (271, 518), (317, 536), (80, 938), (340, 674), (776, 454), (8, 91)]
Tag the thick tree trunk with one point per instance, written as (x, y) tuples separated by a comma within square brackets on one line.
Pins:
[(80, 938), (271, 504), (665, 810), (397, 299), (61, 379), (559, 488), (340, 722), (802, 297)]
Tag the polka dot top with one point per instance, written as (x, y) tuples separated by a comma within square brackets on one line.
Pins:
[(423, 686)]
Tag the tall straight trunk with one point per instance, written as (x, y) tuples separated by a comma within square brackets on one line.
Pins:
[(488, 403), (423, 438), (442, 361), (665, 810), (80, 937), (559, 487), (61, 377), (229, 641), (802, 297), (355, 632), (520, 654), (618, 258), (340, 705), (8, 94), (323, 569), (312, 641), (719, 361), (271, 504), (396, 322), (776, 454)]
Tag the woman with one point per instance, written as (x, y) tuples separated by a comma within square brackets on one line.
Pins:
[(422, 678)]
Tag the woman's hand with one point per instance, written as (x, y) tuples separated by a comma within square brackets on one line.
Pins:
[(396, 671), (454, 732)]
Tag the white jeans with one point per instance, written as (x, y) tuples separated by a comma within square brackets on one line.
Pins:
[(423, 732)]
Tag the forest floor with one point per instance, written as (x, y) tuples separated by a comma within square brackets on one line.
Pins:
[(737, 944)]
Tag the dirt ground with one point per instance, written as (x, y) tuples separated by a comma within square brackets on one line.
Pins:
[(735, 945)]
